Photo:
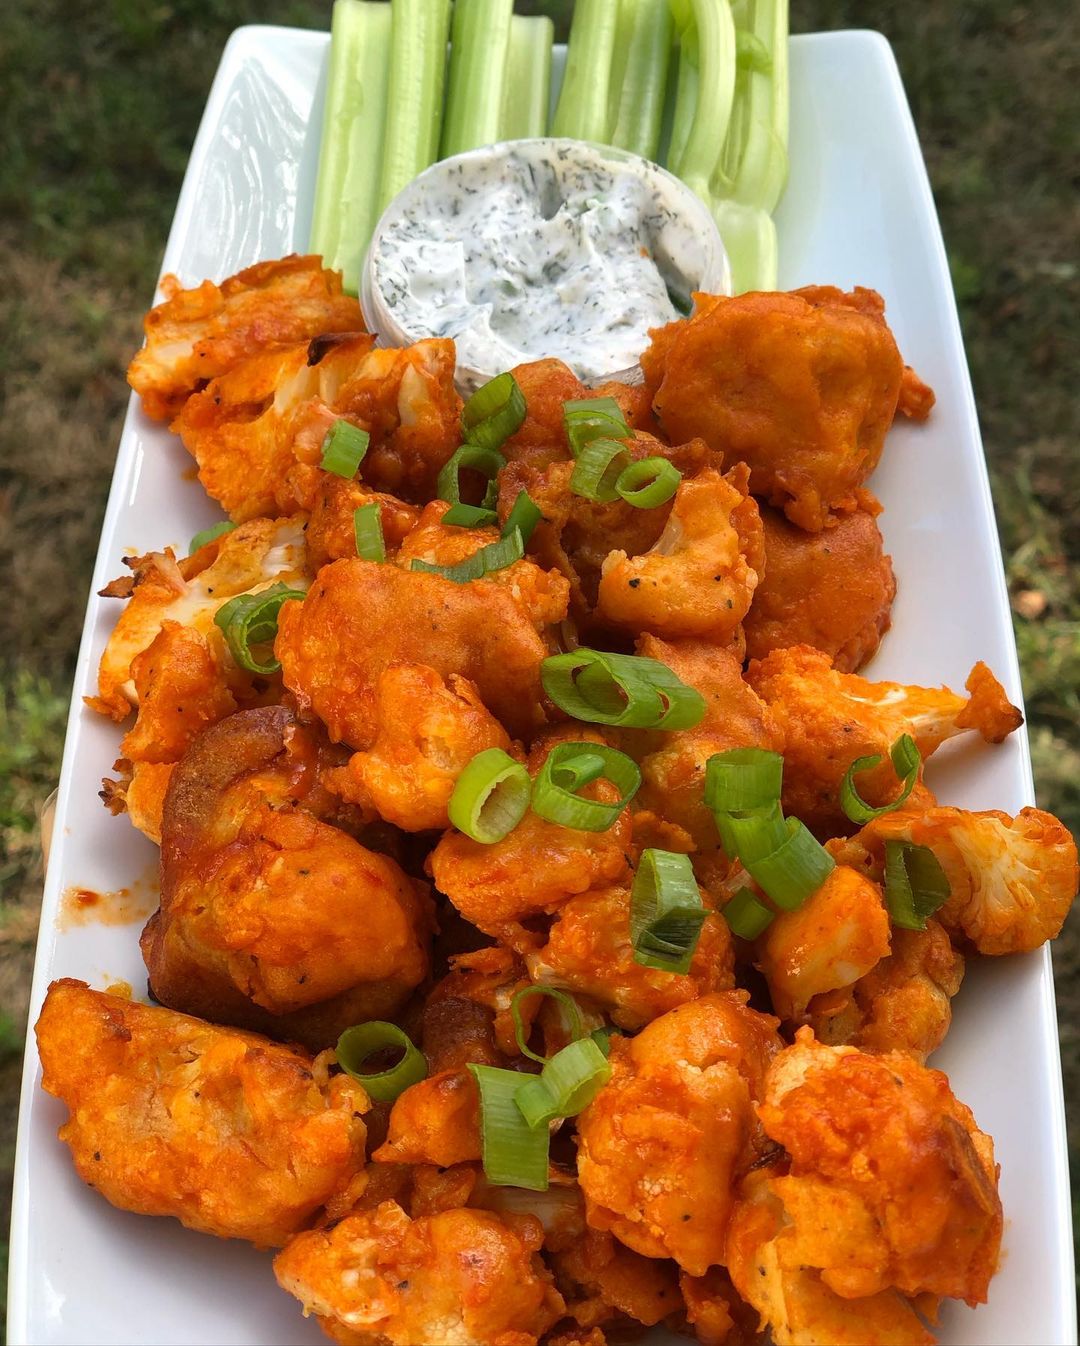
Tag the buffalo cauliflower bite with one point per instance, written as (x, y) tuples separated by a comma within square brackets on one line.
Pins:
[(663, 1143), (227, 1132), (699, 577), (429, 729), (588, 952), (828, 719), (673, 764), (802, 387), (331, 530), (535, 868), (257, 432), (361, 616), (765, 1261), (458, 1278), (1011, 880), (271, 918), (833, 590), (891, 1184), (903, 1004), (196, 335), (837, 936)]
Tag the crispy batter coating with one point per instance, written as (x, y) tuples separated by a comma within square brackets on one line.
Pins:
[(765, 1260), (891, 1185), (360, 616), (903, 1004), (197, 335), (429, 729), (673, 773), (535, 869), (1012, 880), (261, 901), (802, 387), (461, 1276), (257, 432), (837, 936), (603, 1280), (663, 1142), (830, 718), (331, 532), (699, 577), (588, 951), (833, 590), (227, 1132)]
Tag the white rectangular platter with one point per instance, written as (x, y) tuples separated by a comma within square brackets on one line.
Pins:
[(858, 210)]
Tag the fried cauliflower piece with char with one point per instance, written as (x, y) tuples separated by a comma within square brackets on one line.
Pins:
[(891, 1184), (663, 1143), (270, 917), (698, 579), (197, 335), (461, 1276), (1012, 880), (802, 387), (833, 590), (828, 719), (257, 432), (230, 1134), (361, 616)]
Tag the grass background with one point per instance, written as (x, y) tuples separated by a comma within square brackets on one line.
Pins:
[(102, 102)]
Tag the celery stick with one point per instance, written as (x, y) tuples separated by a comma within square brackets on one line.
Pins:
[(478, 57), (419, 31), (707, 39), (583, 103), (346, 202), (686, 95), (640, 105), (527, 94), (750, 242)]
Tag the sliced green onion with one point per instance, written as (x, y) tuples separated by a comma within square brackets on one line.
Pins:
[(251, 619), (367, 529), (906, 760), (563, 998), (602, 1037), (524, 516), (747, 915), (210, 534), (743, 779), (469, 516), (754, 834), (599, 466), (589, 418), (515, 1154), (495, 556), (494, 412), (570, 766), (568, 1082), (476, 457), (343, 449), (648, 482), (626, 690), (491, 796), (358, 1044), (797, 867), (666, 912), (915, 884)]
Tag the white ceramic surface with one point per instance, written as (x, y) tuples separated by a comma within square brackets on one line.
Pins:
[(858, 210)]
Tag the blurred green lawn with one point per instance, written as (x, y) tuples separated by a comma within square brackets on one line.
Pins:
[(102, 100)]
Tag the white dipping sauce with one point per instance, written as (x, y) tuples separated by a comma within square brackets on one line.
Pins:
[(541, 248)]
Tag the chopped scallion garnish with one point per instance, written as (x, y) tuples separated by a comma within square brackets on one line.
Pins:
[(367, 528), (747, 915), (469, 516), (250, 620), (476, 458), (626, 690), (915, 884), (589, 418), (743, 779), (906, 760), (358, 1044), (491, 796), (569, 1081), (648, 482), (600, 465), (495, 556), (666, 911), (569, 767), (563, 998), (524, 516), (210, 534), (515, 1154), (343, 449), (494, 412)]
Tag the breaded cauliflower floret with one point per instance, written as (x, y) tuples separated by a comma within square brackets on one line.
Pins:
[(1012, 880), (227, 1132), (699, 578), (663, 1142), (829, 718), (197, 335), (459, 1278)]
